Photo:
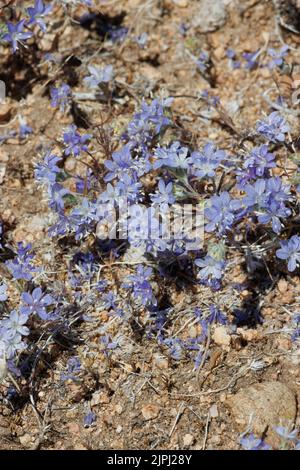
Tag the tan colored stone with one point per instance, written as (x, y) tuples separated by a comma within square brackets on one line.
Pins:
[(160, 361), (100, 398), (150, 411), (221, 337), (74, 428), (213, 411), (283, 343), (248, 335), (4, 156), (282, 286), (119, 409), (219, 53), (151, 73), (25, 440), (188, 440), (265, 72), (70, 164), (47, 41), (209, 16), (181, 3)]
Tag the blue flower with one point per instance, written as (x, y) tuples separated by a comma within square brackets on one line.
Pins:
[(15, 323), (164, 194), (38, 12), (36, 303), (251, 59), (145, 229), (272, 213), (216, 316), (266, 198), (222, 213), (174, 157), (83, 218), (21, 267), (290, 251), (129, 188), (13, 344), (74, 142), (175, 347), (260, 160), (183, 28), (108, 344), (210, 268), (231, 54), (265, 191), (286, 433), (109, 300), (24, 129), (62, 225), (60, 96), (273, 128), (147, 123), (16, 34), (277, 190), (56, 193), (203, 164), (140, 285), (142, 40), (250, 442), (277, 56), (98, 75), (89, 419), (11, 331), (121, 163), (47, 170), (255, 194), (203, 62), (73, 368), (117, 33)]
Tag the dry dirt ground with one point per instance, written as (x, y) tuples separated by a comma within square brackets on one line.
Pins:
[(142, 398)]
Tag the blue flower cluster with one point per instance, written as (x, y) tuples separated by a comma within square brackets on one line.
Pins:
[(255, 197), (13, 327), (17, 33), (118, 199)]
